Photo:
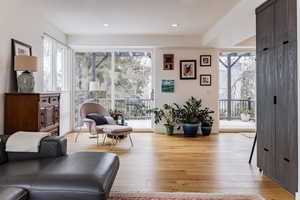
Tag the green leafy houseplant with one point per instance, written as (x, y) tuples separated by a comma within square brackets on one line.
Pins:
[(206, 121), (168, 115), (189, 115)]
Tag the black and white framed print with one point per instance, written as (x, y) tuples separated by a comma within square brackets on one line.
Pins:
[(20, 48), (188, 69), (205, 60), (205, 79)]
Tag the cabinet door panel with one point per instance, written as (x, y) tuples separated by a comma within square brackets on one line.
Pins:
[(266, 112), (285, 21), (286, 115), (265, 28)]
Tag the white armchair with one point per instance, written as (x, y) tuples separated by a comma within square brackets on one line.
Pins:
[(111, 128)]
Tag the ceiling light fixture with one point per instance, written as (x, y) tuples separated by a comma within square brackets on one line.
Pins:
[(106, 25), (175, 25)]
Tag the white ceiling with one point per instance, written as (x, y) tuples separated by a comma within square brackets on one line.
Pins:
[(132, 17)]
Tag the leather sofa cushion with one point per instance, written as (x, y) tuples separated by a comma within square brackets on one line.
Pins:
[(11, 193), (84, 175)]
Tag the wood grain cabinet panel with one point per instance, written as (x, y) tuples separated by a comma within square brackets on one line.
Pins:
[(285, 21), (265, 27), (32, 112), (277, 88)]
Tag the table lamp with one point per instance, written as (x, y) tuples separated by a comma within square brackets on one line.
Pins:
[(27, 64)]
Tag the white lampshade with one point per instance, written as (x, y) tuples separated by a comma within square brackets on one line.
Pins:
[(94, 86)]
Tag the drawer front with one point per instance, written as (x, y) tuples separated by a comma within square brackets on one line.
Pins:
[(54, 100), (44, 101)]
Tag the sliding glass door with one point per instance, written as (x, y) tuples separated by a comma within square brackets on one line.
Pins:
[(124, 80)]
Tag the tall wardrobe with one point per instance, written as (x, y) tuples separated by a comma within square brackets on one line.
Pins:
[(277, 107)]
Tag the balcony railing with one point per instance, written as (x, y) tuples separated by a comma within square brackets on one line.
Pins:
[(133, 108), (231, 108)]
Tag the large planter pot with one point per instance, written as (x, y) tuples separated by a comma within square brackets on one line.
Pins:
[(169, 129), (206, 130), (190, 130), (245, 117)]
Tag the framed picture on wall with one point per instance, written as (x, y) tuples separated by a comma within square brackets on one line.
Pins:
[(168, 86), (188, 69), (20, 48), (205, 79), (205, 60), (168, 61)]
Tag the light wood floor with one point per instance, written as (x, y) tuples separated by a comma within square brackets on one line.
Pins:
[(215, 164)]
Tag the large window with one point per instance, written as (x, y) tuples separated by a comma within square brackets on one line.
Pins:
[(237, 84), (57, 63), (57, 60), (124, 77)]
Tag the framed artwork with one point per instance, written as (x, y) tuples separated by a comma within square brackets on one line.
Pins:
[(20, 48), (205, 60), (205, 79), (188, 69), (168, 61), (168, 86)]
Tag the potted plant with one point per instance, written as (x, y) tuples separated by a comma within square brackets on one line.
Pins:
[(206, 121), (246, 114), (166, 114), (189, 115)]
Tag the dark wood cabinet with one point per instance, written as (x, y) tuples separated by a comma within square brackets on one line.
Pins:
[(277, 89), (32, 112)]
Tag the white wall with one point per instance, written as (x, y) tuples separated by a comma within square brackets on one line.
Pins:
[(20, 20), (184, 89)]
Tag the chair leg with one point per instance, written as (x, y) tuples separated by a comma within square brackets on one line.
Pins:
[(97, 139), (104, 139), (130, 140), (76, 138)]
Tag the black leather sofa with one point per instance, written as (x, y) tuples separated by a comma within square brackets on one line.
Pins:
[(51, 174)]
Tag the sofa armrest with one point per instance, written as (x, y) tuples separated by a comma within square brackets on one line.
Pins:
[(54, 146), (3, 138), (50, 147), (11, 193)]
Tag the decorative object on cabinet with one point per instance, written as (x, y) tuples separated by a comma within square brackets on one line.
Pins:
[(188, 69), (168, 61), (18, 49), (205, 60), (168, 86), (205, 79), (27, 64), (277, 92), (37, 112)]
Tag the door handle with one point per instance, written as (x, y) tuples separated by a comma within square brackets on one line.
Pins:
[(285, 42), (287, 160), (275, 100)]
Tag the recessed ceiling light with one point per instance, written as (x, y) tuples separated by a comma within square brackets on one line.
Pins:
[(174, 25), (106, 25)]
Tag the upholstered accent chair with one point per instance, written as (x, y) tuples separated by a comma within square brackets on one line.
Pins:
[(111, 128)]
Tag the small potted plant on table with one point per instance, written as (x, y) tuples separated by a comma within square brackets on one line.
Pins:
[(166, 114)]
